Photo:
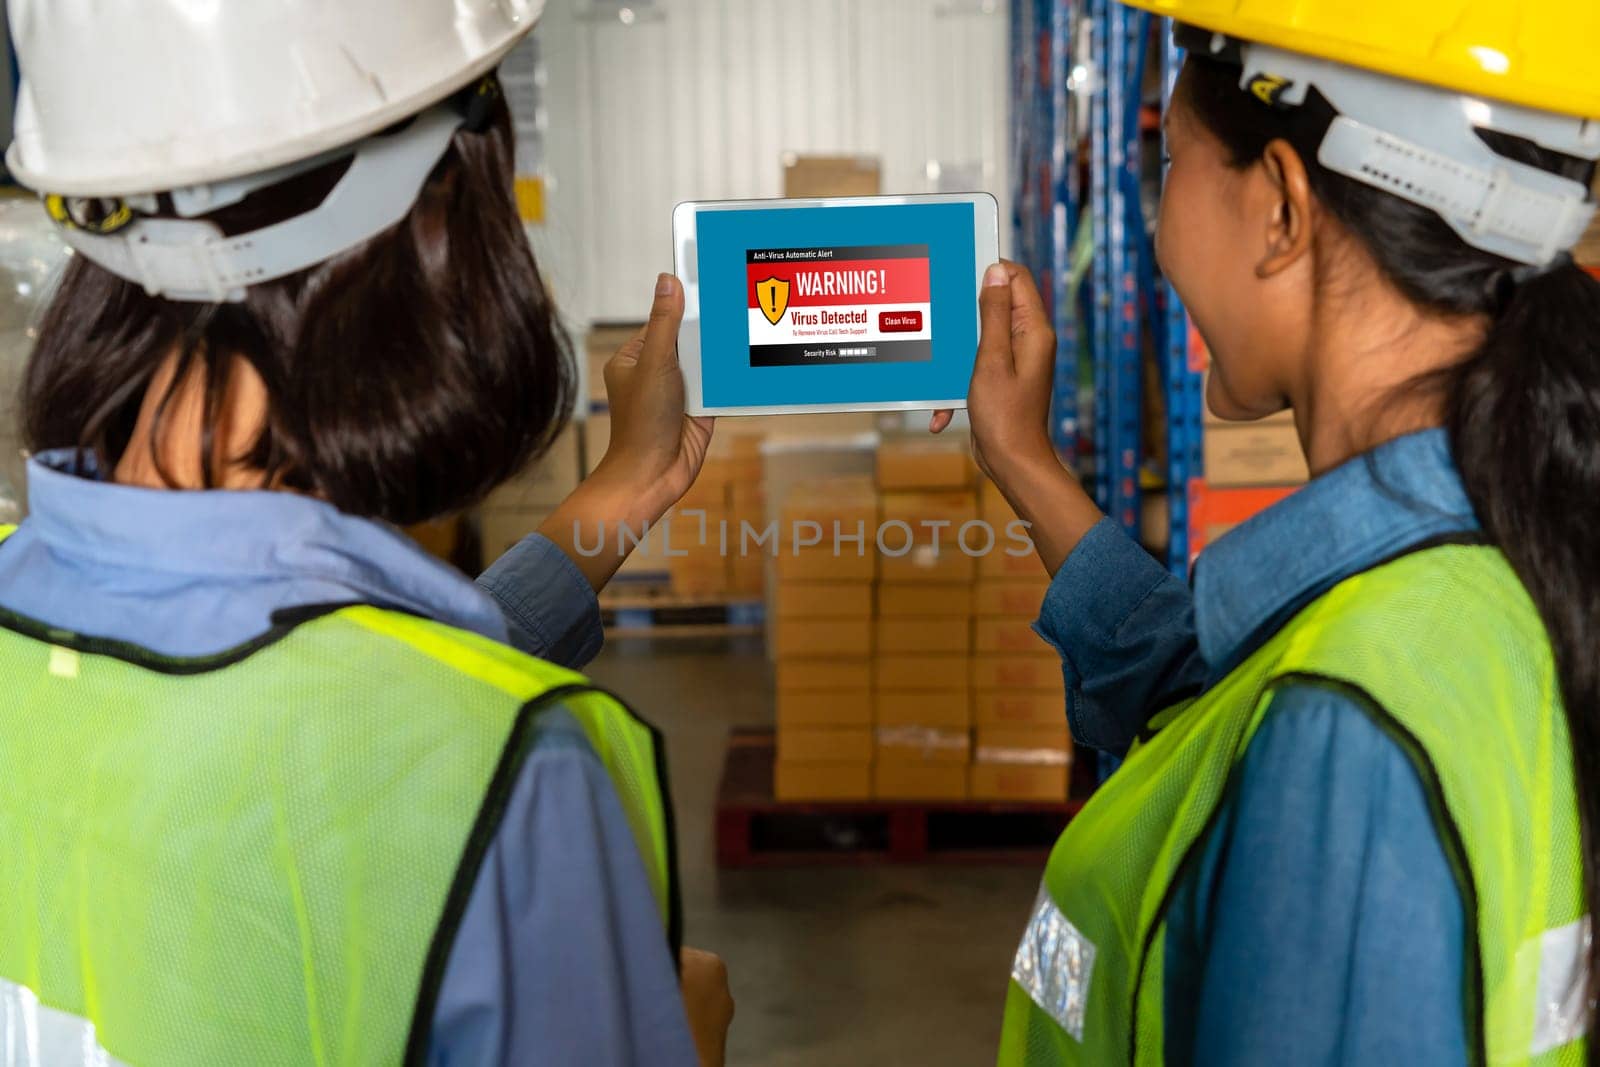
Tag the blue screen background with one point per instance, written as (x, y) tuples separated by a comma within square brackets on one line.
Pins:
[(728, 380)]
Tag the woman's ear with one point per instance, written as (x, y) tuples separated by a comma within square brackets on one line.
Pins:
[(1288, 227)]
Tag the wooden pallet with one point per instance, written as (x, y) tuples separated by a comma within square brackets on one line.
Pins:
[(754, 829)]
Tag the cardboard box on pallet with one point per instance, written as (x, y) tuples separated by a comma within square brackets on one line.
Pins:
[(896, 780), (699, 577), (825, 744), (1022, 764), (823, 638), (1036, 671), (1014, 708), (911, 636), (1254, 455), (821, 781), (826, 531), (826, 676), (923, 744), (922, 672), (937, 709), (806, 176), (802, 708), (920, 463), (1019, 782), (946, 564), (1006, 636), (1018, 598), (927, 514), (824, 600), (820, 563), (923, 600), (847, 500), (1048, 745)]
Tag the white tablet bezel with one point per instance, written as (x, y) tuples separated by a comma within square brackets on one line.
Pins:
[(685, 250)]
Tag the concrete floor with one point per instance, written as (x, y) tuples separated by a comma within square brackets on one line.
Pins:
[(830, 966)]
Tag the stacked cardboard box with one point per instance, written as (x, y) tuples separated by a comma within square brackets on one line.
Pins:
[(517, 508), (922, 700), (1022, 750), (1020, 703), (1246, 458), (747, 509), (823, 641), (697, 556)]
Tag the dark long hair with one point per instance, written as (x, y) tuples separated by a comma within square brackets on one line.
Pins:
[(405, 378), (1522, 412)]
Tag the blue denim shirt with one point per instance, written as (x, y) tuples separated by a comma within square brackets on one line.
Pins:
[(1322, 924), (560, 956)]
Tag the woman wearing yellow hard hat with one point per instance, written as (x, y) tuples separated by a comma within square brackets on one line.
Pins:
[(275, 786), (1357, 819)]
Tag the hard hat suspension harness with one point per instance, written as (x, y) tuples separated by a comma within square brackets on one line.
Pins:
[(189, 259), (1421, 144)]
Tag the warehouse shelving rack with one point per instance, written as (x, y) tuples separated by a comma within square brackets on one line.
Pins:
[(1066, 52)]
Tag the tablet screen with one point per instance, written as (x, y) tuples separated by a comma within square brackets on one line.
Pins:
[(836, 305)]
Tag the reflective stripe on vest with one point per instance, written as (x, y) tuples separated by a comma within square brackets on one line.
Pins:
[(1446, 653), (262, 857)]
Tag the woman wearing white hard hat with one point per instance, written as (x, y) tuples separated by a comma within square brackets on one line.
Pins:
[(275, 787), (1358, 821)]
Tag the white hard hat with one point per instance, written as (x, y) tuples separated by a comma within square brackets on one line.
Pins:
[(122, 97), (210, 100)]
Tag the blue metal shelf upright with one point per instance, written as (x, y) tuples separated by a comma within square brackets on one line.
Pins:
[(1066, 50), (1046, 169)]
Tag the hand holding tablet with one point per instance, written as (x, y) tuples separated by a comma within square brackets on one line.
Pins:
[(859, 304)]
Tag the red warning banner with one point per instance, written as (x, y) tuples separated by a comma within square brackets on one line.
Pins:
[(862, 281)]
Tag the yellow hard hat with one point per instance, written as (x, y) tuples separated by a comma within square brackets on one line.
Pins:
[(1537, 53)]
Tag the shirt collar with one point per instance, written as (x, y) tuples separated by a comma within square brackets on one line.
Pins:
[(222, 536), (1376, 507)]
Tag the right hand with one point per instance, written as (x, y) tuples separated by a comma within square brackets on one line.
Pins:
[(1009, 405), (708, 1002), (1009, 399)]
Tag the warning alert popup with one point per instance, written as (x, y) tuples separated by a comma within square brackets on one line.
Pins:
[(866, 304)]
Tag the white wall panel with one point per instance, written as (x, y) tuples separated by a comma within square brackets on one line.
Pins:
[(704, 101)]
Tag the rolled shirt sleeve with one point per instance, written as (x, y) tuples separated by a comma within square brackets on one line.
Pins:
[(551, 610), (1125, 629)]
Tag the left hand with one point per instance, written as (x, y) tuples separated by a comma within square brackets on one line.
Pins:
[(656, 450), (708, 1003)]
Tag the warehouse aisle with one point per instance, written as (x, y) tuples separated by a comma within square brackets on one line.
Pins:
[(831, 966)]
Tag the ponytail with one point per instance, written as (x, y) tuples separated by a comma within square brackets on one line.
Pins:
[(1523, 415)]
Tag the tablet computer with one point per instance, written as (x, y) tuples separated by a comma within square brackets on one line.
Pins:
[(848, 304)]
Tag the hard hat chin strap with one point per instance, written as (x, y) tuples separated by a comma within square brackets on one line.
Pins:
[(1421, 144), (188, 259)]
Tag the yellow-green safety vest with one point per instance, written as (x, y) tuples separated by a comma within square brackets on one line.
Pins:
[(1446, 653), (263, 856)]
